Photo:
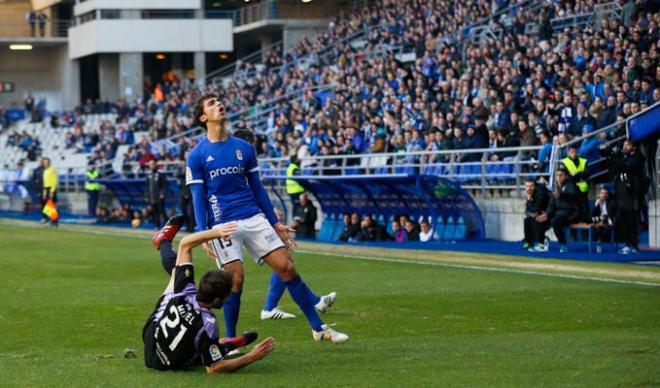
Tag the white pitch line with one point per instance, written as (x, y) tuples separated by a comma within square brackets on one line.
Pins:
[(483, 268), (429, 263)]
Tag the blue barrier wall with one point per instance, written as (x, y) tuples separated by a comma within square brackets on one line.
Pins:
[(386, 196), (645, 125), (132, 192), (451, 210)]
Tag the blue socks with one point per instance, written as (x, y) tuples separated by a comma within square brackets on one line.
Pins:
[(304, 298), (231, 308), (299, 291), (276, 289)]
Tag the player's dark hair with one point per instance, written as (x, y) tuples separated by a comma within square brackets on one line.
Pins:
[(245, 134), (199, 109), (213, 285)]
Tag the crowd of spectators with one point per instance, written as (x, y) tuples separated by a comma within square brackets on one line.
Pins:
[(512, 89), (567, 206), (402, 229), (515, 90)]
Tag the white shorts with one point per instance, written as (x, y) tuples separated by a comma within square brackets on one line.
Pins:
[(254, 234)]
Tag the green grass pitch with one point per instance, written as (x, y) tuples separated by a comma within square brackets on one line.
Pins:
[(73, 301)]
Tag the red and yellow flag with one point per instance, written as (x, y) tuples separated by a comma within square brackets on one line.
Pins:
[(51, 210)]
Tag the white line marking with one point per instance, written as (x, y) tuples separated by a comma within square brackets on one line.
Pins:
[(482, 268), (429, 263)]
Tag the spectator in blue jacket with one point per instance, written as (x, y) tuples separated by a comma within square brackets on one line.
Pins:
[(582, 119), (589, 147)]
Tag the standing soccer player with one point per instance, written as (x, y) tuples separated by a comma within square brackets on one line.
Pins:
[(223, 174), (276, 286)]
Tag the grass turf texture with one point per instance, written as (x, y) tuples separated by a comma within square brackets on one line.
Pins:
[(72, 302)]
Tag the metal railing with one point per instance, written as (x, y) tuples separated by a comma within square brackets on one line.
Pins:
[(478, 173), (257, 115), (620, 126), (252, 58), (22, 29), (593, 19), (254, 13)]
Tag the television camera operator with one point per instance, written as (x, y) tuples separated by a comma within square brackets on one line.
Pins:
[(630, 187)]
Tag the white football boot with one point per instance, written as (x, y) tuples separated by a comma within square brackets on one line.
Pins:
[(329, 334), (326, 301), (276, 313)]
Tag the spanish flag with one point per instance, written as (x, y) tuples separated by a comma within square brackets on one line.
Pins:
[(51, 210)]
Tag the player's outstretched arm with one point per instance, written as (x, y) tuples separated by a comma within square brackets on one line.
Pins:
[(184, 254), (257, 353)]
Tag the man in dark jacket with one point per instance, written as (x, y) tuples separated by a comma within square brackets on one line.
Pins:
[(186, 199), (563, 208), (628, 191), (583, 118), (352, 229), (601, 214), (37, 183), (537, 201), (608, 115), (306, 218), (372, 231), (156, 186)]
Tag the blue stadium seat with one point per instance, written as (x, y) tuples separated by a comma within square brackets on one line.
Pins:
[(493, 170), (460, 230), (463, 172), (506, 172), (327, 227), (352, 170), (439, 228), (380, 219), (448, 232), (389, 224), (338, 229), (410, 170)]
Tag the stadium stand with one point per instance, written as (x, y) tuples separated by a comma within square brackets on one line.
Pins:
[(483, 93)]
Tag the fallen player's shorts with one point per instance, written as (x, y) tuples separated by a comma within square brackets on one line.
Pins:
[(254, 233)]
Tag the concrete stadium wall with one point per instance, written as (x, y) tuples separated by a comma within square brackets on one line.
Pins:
[(151, 35), (91, 5), (295, 30), (109, 77), (45, 71), (654, 223), (503, 218)]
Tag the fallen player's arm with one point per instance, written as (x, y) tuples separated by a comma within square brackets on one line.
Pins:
[(184, 254), (257, 353)]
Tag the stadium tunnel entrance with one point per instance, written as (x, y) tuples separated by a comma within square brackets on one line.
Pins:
[(159, 68)]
